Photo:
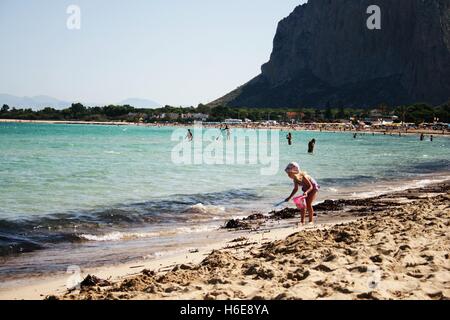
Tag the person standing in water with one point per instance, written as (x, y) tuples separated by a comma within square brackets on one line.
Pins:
[(189, 135), (311, 146), (422, 137), (309, 187), (227, 129), (431, 138), (289, 138)]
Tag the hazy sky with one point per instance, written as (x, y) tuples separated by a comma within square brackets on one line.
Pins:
[(178, 52)]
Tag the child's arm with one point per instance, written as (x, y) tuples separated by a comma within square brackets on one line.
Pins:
[(293, 192)]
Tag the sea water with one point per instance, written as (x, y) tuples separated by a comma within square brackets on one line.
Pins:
[(108, 193)]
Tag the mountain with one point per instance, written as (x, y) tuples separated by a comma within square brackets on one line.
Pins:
[(325, 55), (140, 103), (41, 101), (36, 102)]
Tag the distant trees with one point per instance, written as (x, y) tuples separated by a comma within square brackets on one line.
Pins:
[(201, 108), (113, 111), (341, 113), (416, 113), (328, 114), (77, 109)]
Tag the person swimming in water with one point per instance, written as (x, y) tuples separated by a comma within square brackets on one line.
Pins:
[(189, 135), (227, 129), (311, 146), (309, 187), (289, 138)]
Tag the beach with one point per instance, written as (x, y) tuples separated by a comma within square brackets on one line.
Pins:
[(393, 246), (110, 201), (314, 127), (158, 152)]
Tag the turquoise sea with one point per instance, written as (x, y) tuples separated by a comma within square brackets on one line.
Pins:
[(90, 195)]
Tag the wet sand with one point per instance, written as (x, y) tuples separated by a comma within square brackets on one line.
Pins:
[(394, 246)]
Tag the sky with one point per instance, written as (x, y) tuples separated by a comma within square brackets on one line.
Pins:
[(176, 52)]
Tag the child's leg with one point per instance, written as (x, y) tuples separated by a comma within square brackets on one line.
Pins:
[(309, 202), (303, 214)]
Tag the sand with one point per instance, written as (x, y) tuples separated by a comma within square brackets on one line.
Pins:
[(396, 247), (309, 127)]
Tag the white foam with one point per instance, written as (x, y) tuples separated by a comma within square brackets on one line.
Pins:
[(196, 229), (159, 254), (208, 209), (118, 236), (124, 236)]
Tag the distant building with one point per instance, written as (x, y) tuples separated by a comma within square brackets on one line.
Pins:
[(233, 121), (172, 116), (376, 113), (294, 115), (187, 116), (380, 120), (200, 116), (195, 116)]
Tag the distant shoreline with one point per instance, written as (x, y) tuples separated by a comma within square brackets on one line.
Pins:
[(299, 127)]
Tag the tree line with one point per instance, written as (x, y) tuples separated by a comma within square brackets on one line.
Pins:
[(416, 113)]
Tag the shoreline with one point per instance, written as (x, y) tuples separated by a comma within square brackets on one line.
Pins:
[(300, 127), (340, 214)]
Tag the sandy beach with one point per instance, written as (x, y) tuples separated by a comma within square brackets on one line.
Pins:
[(394, 246), (318, 127)]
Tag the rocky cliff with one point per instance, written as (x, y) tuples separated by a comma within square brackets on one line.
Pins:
[(324, 55)]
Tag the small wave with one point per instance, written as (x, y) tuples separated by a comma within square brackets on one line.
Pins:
[(205, 209), (117, 236), (126, 236), (12, 244), (197, 229), (40, 232), (162, 254), (405, 185), (429, 166), (347, 181)]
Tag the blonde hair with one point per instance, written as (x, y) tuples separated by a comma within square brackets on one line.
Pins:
[(294, 168)]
